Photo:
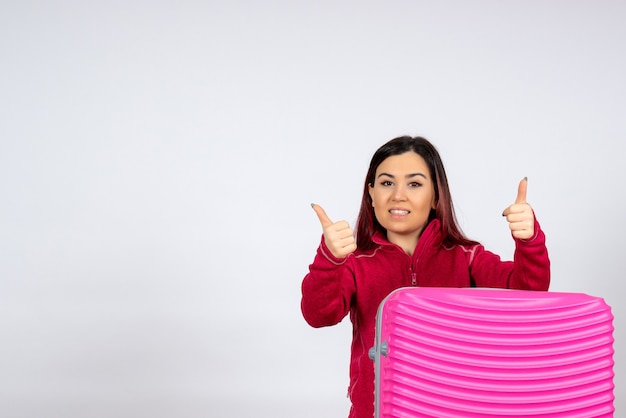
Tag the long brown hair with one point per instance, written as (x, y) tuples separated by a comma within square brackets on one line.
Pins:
[(367, 224)]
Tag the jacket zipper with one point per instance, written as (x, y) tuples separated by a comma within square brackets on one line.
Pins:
[(413, 276)]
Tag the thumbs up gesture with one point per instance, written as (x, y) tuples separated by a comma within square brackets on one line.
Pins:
[(520, 215), (338, 236)]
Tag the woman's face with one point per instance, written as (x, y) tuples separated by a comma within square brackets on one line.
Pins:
[(403, 195)]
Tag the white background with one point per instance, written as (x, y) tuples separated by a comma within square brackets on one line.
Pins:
[(158, 159)]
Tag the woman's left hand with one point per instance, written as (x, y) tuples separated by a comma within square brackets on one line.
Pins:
[(520, 215)]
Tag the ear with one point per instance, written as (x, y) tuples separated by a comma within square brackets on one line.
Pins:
[(370, 188)]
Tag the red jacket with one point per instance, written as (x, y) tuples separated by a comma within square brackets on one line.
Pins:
[(358, 283)]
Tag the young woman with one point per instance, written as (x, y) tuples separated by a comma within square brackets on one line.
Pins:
[(407, 235)]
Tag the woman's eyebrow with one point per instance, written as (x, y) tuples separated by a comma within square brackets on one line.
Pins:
[(408, 176)]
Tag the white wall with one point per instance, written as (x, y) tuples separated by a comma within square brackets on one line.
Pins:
[(157, 161)]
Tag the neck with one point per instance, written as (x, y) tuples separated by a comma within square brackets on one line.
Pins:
[(406, 242)]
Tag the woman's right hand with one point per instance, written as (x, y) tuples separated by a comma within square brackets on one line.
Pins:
[(338, 236)]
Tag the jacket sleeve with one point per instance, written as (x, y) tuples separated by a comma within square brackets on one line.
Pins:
[(529, 270), (327, 290)]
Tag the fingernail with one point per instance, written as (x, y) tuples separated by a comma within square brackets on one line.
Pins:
[(526, 178), (312, 204)]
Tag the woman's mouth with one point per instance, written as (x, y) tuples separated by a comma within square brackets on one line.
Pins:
[(400, 212)]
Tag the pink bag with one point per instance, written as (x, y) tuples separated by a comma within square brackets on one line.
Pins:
[(491, 353)]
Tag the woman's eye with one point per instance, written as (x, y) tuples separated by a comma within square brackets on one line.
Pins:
[(414, 184), (386, 183)]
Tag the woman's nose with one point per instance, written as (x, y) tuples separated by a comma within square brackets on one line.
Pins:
[(399, 194)]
